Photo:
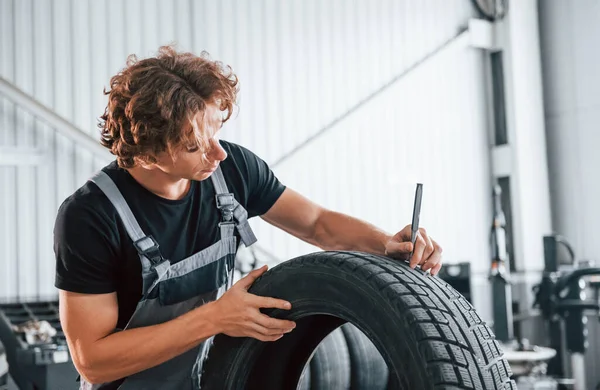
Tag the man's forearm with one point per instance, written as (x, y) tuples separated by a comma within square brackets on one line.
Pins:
[(133, 350), (336, 231)]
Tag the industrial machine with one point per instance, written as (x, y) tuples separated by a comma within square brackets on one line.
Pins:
[(560, 298), (35, 347)]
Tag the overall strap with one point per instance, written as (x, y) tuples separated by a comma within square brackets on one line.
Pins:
[(146, 245), (233, 214)]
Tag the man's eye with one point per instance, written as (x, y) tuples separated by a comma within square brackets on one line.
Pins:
[(193, 149)]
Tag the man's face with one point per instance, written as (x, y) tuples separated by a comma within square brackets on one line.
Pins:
[(192, 162)]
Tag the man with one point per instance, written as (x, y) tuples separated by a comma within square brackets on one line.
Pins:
[(145, 249)]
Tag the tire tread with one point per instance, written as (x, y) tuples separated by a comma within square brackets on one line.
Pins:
[(457, 344)]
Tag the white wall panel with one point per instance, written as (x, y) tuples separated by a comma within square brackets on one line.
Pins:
[(82, 109), (302, 65), (63, 101), (572, 109), (8, 212), (368, 164), (25, 188), (210, 21), (45, 174), (572, 114), (271, 99), (133, 27), (228, 32)]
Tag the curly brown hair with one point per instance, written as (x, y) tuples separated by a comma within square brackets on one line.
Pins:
[(151, 101)]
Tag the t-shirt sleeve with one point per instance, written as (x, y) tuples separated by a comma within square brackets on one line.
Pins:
[(85, 250), (263, 187)]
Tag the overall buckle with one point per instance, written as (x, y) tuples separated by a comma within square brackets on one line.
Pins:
[(225, 203), (148, 247)]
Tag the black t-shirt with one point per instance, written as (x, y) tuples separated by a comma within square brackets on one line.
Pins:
[(94, 254)]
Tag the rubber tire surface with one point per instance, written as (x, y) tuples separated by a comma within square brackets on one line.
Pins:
[(304, 383), (429, 335), (330, 365), (368, 369)]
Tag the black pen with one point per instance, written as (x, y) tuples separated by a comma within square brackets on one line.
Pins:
[(416, 214)]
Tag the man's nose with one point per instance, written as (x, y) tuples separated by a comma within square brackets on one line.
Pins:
[(217, 152)]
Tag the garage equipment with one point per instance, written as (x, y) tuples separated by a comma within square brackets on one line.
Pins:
[(500, 273), (561, 297), (36, 349), (3, 368), (528, 362)]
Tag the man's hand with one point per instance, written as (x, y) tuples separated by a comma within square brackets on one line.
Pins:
[(426, 252), (238, 312)]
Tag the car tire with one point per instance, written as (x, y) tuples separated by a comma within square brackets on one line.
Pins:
[(429, 335)]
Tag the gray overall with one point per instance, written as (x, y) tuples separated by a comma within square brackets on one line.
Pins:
[(170, 290)]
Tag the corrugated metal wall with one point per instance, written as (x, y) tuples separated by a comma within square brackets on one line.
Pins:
[(416, 130), (572, 105), (302, 65)]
